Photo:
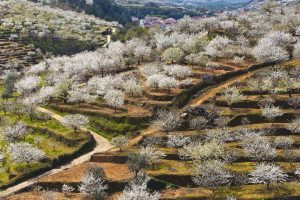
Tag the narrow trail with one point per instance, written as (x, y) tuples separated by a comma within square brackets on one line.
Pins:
[(102, 145), (213, 90), (113, 30)]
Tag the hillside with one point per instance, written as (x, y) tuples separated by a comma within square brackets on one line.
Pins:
[(204, 108), (111, 11)]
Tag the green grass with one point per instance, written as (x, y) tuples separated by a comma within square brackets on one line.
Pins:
[(259, 191), (106, 127), (37, 126)]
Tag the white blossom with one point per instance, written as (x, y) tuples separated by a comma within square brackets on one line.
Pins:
[(177, 140), (115, 98), (199, 151), (271, 112), (151, 154), (93, 185), (137, 190), (24, 152), (166, 121), (258, 148), (27, 84), (15, 132), (211, 174), (267, 174), (75, 121)]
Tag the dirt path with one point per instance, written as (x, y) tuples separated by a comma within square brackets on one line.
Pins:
[(109, 37), (210, 92), (102, 145)]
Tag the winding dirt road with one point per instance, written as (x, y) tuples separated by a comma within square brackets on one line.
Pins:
[(210, 92), (102, 145)]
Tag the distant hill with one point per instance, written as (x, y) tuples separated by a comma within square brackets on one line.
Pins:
[(194, 5), (112, 11), (184, 2)]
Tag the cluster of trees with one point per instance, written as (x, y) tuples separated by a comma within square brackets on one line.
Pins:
[(208, 152), (275, 80), (266, 37), (166, 76), (84, 77), (63, 76), (14, 133), (17, 150)]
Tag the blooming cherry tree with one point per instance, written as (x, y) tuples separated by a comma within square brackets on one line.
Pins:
[(24, 152), (120, 141), (27, 84), (258, 148), (115, 98), (232, 95), (93, 185), (271, 112), (166, 121), (173, 55), (15, 133), (75, 121), (267, 174), (211, 174), (137, 189), (151, 154)]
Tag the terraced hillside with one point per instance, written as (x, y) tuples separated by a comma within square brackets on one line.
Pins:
[(52, 30), (224, 134), (57, 142), (204, 109), (14, 54), (138, 108)]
